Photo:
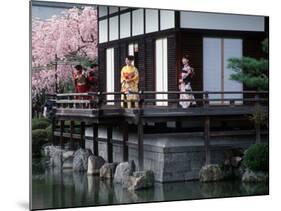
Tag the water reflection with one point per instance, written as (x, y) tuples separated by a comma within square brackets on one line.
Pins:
[(53, 188)]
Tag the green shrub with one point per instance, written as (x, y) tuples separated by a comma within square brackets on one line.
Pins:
[(39, 135), (40, 123), (49, 132), (256, 157), (39, 138)]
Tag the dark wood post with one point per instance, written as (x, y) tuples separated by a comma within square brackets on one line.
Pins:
[(71, 134), (109, 144), (61, 133), (207, 140), (206, 99), (125, 141), (257, 120), (53, 131), (140, 144), (258, 133), (95, 139), (82, 135)]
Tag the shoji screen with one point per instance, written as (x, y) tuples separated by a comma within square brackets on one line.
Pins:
[(232, 48), (212, 65), (161, 76), (110, 73), (216, 75)]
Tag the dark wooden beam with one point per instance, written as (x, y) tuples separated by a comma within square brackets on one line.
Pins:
[(140, 144), (53, 131), (82, 134), (125, 141), (95, 139), (109, 144), (61, 133), (207, 140), (71, 134)]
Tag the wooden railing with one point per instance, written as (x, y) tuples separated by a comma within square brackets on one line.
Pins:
[(98, 100)]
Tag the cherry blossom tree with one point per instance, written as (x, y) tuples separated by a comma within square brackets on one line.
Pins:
[(68, 36)]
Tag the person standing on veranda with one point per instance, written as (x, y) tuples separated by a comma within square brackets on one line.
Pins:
[(80, 81), (129, 79), (187, 73)]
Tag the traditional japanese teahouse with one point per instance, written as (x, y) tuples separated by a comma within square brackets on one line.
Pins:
[(160, 135), (159, 38)]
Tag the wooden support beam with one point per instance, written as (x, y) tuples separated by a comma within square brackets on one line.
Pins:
[(95, 139), (53, 131), (207, 140), (71, 134), (140, 144), (257, 121), (82, 134), (125, 141), (109, 144), (258, 133), (61, 133)]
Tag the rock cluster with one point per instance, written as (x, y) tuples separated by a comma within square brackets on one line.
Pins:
[(82, 160), (210, 172), (255, 176), (94, 164)]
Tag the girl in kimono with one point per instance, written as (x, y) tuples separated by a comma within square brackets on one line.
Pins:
[(187, 73), (129, 79), (80, 81)]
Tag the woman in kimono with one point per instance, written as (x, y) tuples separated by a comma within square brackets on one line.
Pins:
[(80, 81), (129, 79), (187, 73)]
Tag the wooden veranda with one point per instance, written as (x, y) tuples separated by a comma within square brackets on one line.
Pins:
[(94, 109)]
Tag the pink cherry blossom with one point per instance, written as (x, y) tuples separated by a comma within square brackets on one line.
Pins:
[(73, 32)]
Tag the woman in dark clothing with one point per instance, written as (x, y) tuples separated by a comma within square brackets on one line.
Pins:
[(185, 83)]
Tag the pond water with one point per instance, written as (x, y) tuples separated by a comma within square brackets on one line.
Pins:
[(53, 188)]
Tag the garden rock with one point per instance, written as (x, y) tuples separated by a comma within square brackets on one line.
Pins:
[(123, 170), (255, 176), (139, 180), (235, 161), (57, 159), (209, 173), (80, 160), (107, 170), (68, 163), (94, 164), (68, 154)]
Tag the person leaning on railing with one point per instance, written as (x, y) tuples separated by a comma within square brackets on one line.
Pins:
[(80, 80), (129, 83)]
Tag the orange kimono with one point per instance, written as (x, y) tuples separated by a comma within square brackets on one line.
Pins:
[(129, 83)]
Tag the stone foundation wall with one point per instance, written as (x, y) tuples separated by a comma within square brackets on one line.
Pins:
[(172, 157)]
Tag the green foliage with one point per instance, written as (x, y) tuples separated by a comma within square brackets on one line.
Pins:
[(82, 60), (39, 138), (265, 45), (260, 118), (40, 123), (256, 157), (49, 133), (39, 135), (253, 73)]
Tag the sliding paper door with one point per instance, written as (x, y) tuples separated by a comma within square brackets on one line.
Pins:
[(110, 73), (216, 74), (161, 76)]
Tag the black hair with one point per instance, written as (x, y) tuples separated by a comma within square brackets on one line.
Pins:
[(94, 65), (78, 67), (131, 58), (185, 56)]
